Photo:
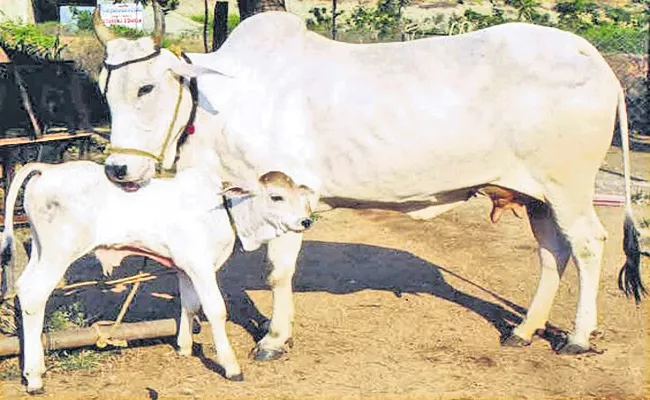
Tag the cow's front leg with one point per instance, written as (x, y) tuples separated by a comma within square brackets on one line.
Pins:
[(282, 255)]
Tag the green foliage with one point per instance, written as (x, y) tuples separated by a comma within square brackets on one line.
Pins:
[(322, 20), (10, 372), (69, 316), (167, 5), (644, 223), (641, 197), (233, 20), (611, 38), (610, 29), (76, 360), (128, 33), (384, 21), (200, 18), (30, 40), (84, 19), (527, 10)]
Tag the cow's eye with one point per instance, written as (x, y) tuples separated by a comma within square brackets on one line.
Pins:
[(276, 198), (146, 89)]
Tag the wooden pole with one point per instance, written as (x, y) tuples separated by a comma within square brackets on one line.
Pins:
[(205, 26), (219, 24), (27, 105), (334, 19), (71, 338)]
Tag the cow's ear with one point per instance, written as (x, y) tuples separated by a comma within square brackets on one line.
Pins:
[(182, 68)]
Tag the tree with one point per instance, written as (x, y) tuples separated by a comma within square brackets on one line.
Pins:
[(252, 7)]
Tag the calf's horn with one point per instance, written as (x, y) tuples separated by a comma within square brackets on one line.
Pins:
[(101, 31)]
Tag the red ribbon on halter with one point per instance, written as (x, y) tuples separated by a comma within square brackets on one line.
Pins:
[(190, 129)]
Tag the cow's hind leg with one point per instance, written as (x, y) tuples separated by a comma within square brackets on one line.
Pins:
[(282, 255), (587, 237), (34, 288), (554, 252), (190, 306)]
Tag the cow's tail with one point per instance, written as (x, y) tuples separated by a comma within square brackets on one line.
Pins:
[(629, 277), (7, 248)]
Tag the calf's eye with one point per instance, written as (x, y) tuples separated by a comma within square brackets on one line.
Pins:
[(146, 89), (276, 198)]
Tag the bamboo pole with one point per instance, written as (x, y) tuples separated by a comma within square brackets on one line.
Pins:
[(27, 105), (72, 338)]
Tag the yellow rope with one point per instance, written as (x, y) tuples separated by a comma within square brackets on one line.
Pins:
[(161, 157), (105, 339)]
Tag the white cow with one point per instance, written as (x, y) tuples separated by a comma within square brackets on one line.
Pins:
[(73, 210), (520, 112)]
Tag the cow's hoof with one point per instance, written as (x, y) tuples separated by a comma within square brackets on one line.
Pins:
[(512, 340), (568, 348), (236, 378), (36, 391), (259, 354)]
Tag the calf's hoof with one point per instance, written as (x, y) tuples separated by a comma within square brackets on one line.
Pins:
[(35, 391), (260, 354), (512, 340), (185, 352), (236, 378)]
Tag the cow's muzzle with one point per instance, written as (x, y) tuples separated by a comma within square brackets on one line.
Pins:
[(116, 174)]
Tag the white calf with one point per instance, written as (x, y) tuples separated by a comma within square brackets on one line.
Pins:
[(73, 209)]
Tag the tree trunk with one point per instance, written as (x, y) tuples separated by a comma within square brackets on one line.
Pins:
[(334, 19), (252, 7), (219, 24), (205, 26), (647, 81)]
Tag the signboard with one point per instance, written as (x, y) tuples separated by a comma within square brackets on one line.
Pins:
[(130, 15)]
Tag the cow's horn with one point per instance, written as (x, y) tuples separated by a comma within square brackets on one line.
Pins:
[(159, 23), (101, 31)]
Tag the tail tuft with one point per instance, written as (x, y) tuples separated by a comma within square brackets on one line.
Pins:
[(629, 278)]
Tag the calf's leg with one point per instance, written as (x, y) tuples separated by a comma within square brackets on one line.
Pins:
[(34, 288), (214, 308), (190, 306)]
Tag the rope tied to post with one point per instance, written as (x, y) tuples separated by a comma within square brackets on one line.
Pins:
[(106, 338)]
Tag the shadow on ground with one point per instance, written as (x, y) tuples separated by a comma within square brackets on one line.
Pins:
[(322, 267)]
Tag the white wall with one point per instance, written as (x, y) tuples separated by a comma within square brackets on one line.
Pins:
[(17, 9)]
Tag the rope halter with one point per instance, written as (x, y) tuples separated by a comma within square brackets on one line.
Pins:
[(188, 128)]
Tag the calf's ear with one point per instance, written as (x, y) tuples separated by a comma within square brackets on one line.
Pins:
[(306, 190), (228, 189), (310, 194)]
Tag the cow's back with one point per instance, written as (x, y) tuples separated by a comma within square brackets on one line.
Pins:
[(389, 121)]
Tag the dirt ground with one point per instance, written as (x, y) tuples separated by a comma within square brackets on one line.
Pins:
[(385, 307)]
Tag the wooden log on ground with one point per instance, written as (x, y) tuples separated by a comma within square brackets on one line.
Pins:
[(72, 338)]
